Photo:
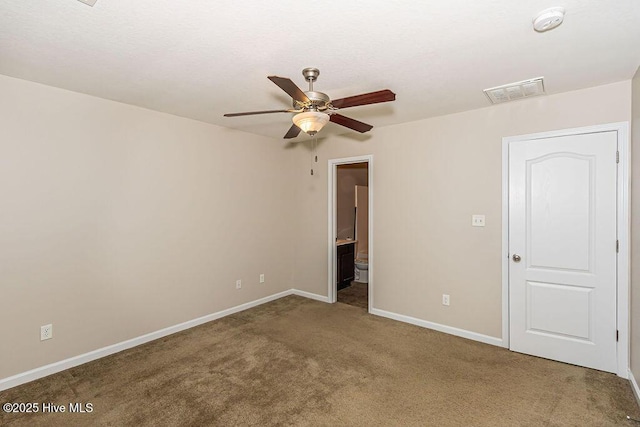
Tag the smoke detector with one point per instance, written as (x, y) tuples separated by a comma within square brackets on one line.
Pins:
[(89, 2), (514, 91), (548, 19)]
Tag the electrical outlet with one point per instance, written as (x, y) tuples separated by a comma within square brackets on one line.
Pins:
[(46, 332), (238, 284), (445, 299), (262, 278), (477, 220)]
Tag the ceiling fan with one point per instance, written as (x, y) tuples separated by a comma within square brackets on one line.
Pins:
[(315, 109)]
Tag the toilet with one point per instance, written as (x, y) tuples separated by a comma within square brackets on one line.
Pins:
[(362, 267)]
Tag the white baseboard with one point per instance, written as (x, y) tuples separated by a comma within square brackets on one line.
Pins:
[(634, 386), (43, 371), (310, 295), (438, 327)]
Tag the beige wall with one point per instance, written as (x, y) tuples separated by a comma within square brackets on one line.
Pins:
[(118, 221), (429, 177), (635, 227)]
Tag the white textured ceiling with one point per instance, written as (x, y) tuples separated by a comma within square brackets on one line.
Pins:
[(203, 58)]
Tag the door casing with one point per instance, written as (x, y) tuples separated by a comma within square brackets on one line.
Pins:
[(623, 225)]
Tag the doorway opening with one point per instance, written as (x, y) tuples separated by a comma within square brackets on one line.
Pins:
[(350, 220)]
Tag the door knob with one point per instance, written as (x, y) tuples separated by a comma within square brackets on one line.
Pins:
[(516, 258)]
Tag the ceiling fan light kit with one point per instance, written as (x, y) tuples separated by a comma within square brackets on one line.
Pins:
[(311, 122), (315, 109)]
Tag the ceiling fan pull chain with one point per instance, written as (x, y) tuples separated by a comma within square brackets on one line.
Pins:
[(315, 148), (312, 139)]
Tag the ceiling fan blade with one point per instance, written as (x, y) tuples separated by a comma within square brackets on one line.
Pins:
[(350, 123), (366, 98), (290, 87), (292, 132), (250, 113)]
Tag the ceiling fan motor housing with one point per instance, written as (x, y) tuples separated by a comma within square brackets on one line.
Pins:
[(318, 101)]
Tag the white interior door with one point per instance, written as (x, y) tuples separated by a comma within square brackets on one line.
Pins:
[(562, 248)]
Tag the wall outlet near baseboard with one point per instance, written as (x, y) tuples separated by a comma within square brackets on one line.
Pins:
[(238, 284), (445, 299), (46, 332), (477, 220)]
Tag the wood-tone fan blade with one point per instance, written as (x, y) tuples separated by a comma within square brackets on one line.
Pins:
[(366, 98), (250, 113), (293, 132), (350, 123), (290, 87)]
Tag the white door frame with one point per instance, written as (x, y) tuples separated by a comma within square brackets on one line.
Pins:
[(623, 218), (332, 220)]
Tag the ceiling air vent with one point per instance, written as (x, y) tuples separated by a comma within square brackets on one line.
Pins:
[(513, 91)]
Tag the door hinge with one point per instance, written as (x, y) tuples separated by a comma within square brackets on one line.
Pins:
[(617, 157), (617, 335), (617, 246)]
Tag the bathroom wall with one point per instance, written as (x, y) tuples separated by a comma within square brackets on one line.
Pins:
[(429, 178), (348, 177), (362, 218)]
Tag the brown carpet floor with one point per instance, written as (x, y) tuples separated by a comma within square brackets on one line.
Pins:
[(300, 362), (356, 295)]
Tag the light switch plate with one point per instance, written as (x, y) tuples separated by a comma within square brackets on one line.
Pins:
[(477, 220)]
